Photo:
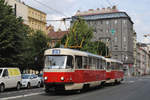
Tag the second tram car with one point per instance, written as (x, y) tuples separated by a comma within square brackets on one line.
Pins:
[(114, 71), (68, 69)]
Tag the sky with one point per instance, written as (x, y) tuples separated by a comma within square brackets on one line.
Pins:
[(138, 10)]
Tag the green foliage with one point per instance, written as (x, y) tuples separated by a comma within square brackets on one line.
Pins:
[(18, 47), (79, 31), (38, 43), (12, 36)]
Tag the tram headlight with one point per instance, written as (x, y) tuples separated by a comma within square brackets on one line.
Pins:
[(45, 78), (62, 78)]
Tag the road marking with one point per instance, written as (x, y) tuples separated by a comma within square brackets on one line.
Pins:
[(131, 81), (140, 79), (21, 96)]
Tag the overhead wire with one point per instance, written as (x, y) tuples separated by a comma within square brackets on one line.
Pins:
[(109, 3), (59, 12)]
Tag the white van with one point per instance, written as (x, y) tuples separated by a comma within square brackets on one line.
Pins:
[(10, 78)]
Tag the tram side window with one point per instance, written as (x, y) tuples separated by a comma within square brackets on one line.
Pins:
[(120, 66), (78, 60), (94, 63), (70, 62), (98, 64), (103, 64), (113, 65), (108, 66), (90, 62), (117, 66), (85, 62)]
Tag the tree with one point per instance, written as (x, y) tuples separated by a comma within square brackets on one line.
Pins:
[(12, 37), (81, 34), (38, 43)]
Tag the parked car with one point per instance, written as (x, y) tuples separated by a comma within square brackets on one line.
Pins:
[(42, 80), (10, 78), (30, 80)]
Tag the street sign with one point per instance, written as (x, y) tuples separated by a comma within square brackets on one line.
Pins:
[(112, 31)]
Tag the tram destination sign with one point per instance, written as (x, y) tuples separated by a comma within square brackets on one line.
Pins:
[(55, 51)]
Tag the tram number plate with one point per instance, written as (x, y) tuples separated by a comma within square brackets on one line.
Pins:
[(56, 52)]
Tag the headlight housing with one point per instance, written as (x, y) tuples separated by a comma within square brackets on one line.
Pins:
[(62, 78), (45, 78)]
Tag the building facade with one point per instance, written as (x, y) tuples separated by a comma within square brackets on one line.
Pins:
[(143, 59), (20, 9), (37, 19), (55, 36), (32, 17), (116, 29)]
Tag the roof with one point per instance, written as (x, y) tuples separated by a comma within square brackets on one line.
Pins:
[(97, 13), (36, 9), (57, 35), (113, 60), (67, 51), (109, 15)]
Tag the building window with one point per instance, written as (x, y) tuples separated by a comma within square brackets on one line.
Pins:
[(116, 21), (107, 31), (115, 39), (101, 30), (101, 22), (125, 47), (107, 22), (116, 56), (124, 21), (124, 39)]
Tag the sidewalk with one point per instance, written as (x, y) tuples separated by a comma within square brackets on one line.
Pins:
[(135, 77)]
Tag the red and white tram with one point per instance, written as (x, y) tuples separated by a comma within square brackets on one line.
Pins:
[(114, 71), (68, 69)]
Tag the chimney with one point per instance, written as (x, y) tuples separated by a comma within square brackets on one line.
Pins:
[(114, 7), (103, 10), (97, 9), (108, 8), (91, 10), (78, 11)]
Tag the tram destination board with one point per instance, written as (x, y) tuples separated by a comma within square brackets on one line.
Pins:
[(56, 51)]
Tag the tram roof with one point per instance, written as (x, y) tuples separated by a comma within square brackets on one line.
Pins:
[(67, 51), (113, 60)]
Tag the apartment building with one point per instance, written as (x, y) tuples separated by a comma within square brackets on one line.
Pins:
[(35, 18), (20, 9), (143, 59), (115, 28)]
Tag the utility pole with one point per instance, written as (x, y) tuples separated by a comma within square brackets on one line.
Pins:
[(107, 39)]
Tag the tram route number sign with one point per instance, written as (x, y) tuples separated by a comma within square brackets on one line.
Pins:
[(56, 52)]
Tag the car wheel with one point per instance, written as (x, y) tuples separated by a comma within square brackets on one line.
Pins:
[(28, 86), (18, 86), (2, 87), (39, 84)]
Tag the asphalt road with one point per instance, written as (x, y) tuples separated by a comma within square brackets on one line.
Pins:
[(131, 89)]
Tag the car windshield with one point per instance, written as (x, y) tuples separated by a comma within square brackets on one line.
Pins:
[(40, 75), (25, 76), (0, 72), (59, 62)]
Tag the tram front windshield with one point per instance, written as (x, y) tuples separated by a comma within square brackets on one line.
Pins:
[(58, 62)]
